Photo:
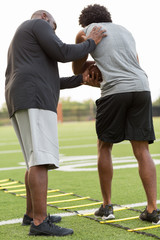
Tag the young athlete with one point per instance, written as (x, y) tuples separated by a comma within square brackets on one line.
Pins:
[(124, 110)]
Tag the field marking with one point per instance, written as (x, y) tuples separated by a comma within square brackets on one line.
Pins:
[(12, 168), (77, 138), (60, 139), (89, 163), (78, 146), (8, 143), (70, 139), (85, 163), (60, 147), (64, 147), (10, 151), (19, 220)]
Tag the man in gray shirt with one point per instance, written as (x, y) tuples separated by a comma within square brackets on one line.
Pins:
[(124, 111)]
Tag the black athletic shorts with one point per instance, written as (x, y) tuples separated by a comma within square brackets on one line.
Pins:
[(125, 116)]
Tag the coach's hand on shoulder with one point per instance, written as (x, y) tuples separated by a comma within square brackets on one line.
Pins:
[(96, 34)]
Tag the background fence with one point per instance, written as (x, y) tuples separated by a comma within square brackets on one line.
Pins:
[(73, 113)]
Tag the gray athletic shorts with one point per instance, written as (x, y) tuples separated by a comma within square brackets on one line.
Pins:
[(37, 133), (125, 116)]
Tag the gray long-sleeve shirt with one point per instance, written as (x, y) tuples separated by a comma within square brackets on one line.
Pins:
[(32, 77)]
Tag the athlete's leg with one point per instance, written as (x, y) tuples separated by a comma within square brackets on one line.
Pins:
[(147, 172), (105, 170)]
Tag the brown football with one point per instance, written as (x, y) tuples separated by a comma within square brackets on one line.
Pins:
[(95, 69)]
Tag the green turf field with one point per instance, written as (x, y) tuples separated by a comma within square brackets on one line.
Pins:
[(78, 174)]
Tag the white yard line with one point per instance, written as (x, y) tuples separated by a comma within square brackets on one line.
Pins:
[(12, 168), (89, 163), (68, 214), (10, 151), (67, 140), (76, 138), (19, 220), (8, 143), (78, 146), (63, 147)]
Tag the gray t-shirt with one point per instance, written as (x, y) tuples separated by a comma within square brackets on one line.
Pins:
[(116, 57)]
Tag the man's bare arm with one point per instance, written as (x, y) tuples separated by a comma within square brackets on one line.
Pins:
[(79, 66)]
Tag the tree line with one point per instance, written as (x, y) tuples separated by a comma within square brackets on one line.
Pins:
[(74, 111)]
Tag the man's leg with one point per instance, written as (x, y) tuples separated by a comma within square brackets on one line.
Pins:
[(147, 172), (105, 170), (29, 209), (38, 185)]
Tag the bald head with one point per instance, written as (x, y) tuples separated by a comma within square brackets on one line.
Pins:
[(42, 14), (39, 13)]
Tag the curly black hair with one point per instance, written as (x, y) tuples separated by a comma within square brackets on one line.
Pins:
[(94, 14)]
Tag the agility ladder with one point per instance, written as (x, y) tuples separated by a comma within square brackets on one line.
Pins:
[(18, 189)]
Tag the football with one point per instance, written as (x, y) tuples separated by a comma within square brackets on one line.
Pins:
[(95, 69)]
